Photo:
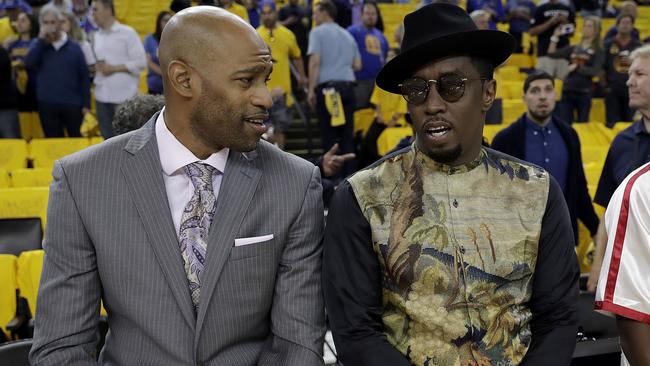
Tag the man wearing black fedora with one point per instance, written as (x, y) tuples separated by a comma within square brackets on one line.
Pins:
[(446, 252)]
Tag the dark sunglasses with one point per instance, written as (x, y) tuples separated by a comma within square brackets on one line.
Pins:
[(451, 88)]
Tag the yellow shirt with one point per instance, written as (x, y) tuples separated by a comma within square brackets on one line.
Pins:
[(239, 11), (5, 29), (284, 47), (390, 104)]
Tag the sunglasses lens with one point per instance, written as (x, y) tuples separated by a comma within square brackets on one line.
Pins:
[(451, 87), (415, 90)]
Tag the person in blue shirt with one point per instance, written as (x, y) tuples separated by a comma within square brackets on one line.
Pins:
[(63, 80), (540, 138), (24, 80), (154, 78), (494, 7), (520, 14), (373, 48)]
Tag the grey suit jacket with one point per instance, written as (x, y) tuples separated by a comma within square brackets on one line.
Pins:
[(110, 236)]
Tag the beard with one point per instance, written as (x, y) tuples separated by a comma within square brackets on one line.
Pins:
[(541, 116), (216, 124), (446, 156)]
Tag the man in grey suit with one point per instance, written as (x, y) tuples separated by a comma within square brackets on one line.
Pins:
[(203, 242)]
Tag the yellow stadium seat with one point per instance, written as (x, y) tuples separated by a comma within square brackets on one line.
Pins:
[(37, 177), (45, 151), (591, 134), (513, 109), (558, 89), (13, 154), (597, 112), (8, 286), (489, 131), (521, 60), (5, 180), (30, 125), (363, 119), (24, 202), (515, 89), (508, 73), (96, 140), (594, 154), (391, 136), (28, 276)]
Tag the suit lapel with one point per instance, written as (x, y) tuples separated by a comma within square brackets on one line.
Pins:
[(237, 189), (142, 172)]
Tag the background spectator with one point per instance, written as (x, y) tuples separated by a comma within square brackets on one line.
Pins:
[(549, 17), (9, 123), (120, 60), (585, 62), (135, 112), (63, 82), (629, 8), (285, 51), (235, 8), (617, 63), (373, 48), (70, 25), (333, 58), (298, 19), (493, 7), (25, 80), (151, 42), (520, 14)]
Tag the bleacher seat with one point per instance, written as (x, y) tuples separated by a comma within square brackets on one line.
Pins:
[(24, 202), (28, 275), (20, 234), (45, 151), (8, 287), (30, 125), (391, 136), (5, 180), (489, 131), (521, 61), (37, 177), (13, 154), (16, 353), (96, 140), (363, 119), (512, 110)]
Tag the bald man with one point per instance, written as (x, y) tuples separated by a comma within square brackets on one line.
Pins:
[(202, 242)]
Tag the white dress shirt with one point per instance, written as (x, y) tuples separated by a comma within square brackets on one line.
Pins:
[(173, 157), (119, 45)]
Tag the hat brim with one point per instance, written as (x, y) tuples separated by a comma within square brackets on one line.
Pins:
[(495, 46)]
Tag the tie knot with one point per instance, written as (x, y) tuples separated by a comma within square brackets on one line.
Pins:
[(201, 175)]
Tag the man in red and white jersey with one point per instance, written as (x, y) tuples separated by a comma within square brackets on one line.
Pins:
[(624, 283)]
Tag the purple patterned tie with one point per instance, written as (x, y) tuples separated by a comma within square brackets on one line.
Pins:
[(195, 225)]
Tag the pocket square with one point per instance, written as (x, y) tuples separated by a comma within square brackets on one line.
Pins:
[(252, 240)]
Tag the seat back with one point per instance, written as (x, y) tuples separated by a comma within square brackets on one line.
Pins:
[(19, 235), (8, 286), (16, 353), (37, 177), (45, 151), (28, 275), (13, 154), (24, 202)]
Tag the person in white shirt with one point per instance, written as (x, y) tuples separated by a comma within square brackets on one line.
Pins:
[(120, 60), (624, 281)]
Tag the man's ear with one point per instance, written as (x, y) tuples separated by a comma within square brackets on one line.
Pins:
[(182, 79), (489, 94)]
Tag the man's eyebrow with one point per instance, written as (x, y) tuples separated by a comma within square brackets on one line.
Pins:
[(252, 70)]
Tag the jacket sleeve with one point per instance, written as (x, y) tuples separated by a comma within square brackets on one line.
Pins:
[(66, 324), (555, 288)]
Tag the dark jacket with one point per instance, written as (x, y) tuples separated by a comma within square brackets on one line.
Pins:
[(512, 141)]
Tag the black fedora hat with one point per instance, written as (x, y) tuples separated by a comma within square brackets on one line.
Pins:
[(440, 30)]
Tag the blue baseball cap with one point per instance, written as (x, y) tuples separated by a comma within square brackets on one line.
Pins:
[(14, 4), (267, 4)]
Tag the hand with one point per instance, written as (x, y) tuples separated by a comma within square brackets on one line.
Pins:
[(303, 83), (105, 68), (380, 119), (573, 67), (332, 163), (558, 31), (394, 119), (594, 274), (557, 19), (85, 111), (311, 99)]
